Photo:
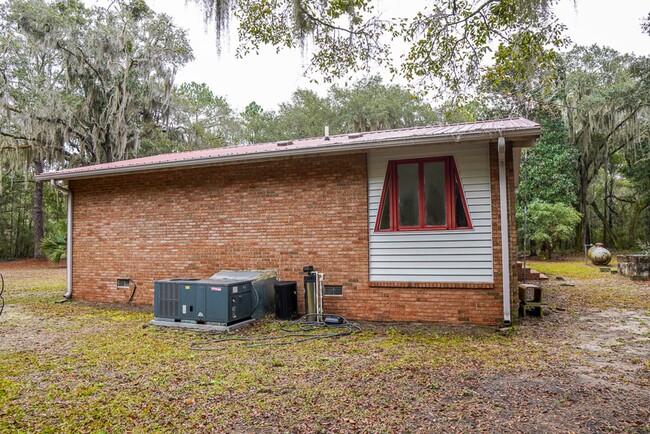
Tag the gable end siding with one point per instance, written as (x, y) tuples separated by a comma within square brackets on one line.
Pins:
[(435, 256)]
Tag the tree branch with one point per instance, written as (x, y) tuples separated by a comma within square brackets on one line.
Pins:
[(84, 59), (605, 225), (478, 10), (328, 25), (15, 137), (622, 199), (47, 120), (622, 122), (611, 210)]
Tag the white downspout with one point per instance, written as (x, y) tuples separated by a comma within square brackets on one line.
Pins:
[(68, 254), (505, 247)]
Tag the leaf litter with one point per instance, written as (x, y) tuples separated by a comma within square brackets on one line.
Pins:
[(87, 367)]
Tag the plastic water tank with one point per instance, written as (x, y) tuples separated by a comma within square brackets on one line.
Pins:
[(286, 300)]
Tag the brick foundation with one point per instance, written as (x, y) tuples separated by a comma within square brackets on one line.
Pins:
[(281, 215)]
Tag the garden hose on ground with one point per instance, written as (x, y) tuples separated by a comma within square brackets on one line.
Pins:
[(301, 330)]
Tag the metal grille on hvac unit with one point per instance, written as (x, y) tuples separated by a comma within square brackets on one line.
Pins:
[(167, 300)]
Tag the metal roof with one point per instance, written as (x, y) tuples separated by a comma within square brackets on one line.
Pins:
[(512, 129)]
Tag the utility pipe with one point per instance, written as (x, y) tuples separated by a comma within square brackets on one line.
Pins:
[(505, 247), (319, 288), (525, 214), (318, 294), (68, 254)]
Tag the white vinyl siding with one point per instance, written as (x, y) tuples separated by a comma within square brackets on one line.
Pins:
[(435, 256)]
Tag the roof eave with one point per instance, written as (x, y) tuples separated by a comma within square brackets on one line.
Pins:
[(525, 135)]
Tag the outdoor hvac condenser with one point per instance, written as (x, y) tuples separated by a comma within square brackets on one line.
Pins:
[(209, 301)]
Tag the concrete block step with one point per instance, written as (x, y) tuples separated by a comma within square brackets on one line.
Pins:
[(529, 273)]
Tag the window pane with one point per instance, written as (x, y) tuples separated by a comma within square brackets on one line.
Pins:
[(384, 218), (461, 217), (434, 194), (407, 177)]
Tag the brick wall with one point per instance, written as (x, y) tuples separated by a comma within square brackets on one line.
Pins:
[(280, 215)]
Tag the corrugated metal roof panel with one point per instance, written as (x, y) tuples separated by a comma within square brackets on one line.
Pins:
[(339, 143)]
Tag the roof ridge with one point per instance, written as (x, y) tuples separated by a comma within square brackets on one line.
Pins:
[(418, 127)]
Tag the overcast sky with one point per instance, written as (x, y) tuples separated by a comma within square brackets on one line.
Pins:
[(271, 78)]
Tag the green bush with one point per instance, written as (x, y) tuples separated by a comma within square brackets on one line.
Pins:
[(644, 247), (54, 244), (548, 224)]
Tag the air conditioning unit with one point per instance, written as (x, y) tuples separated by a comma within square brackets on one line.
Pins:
[(219, 302)]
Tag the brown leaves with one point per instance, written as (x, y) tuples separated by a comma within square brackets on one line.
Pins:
[(578, 369)]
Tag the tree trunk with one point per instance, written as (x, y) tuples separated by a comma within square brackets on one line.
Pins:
[(38, 210), (639, 207), (584, 185), (19, 220), (610, 209), (605, 226)]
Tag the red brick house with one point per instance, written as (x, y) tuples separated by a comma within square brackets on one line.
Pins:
[(409, 222)]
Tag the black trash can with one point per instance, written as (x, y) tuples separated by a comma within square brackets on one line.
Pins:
[(286, 300)]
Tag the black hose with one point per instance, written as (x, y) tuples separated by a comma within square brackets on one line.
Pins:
[(135, 286), (301, 330), (2, 289)]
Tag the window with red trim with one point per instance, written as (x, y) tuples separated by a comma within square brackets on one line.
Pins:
[(422, 194)]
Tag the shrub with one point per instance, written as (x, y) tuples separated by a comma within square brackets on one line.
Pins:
[(549, 224), (644, 247), (54, 244)]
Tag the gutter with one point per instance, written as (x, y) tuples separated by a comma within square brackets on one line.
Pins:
[(505, 247), (523, 134), (68, 254)]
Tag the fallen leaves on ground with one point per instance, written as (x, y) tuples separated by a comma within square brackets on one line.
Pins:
[(84, 367)]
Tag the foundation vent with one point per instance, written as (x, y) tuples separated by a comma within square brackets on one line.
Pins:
[(333, 290)]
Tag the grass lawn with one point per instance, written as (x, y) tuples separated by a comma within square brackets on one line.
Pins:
[(82, 367)]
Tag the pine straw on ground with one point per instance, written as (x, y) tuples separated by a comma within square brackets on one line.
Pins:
[(82, 367)]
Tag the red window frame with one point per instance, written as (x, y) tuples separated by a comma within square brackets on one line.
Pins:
[(451, 175)]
